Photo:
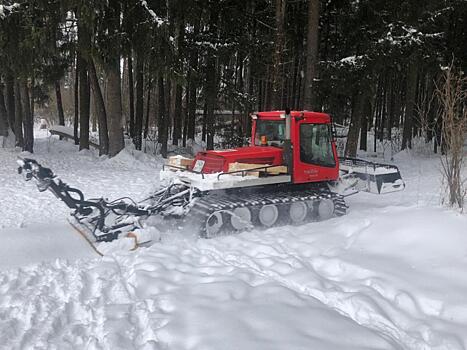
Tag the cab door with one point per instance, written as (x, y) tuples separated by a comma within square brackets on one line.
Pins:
[(315, 156)]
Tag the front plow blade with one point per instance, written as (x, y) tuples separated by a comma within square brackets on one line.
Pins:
[(372, 177)]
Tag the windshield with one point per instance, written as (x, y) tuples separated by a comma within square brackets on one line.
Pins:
[(273, 130), (315, 145)]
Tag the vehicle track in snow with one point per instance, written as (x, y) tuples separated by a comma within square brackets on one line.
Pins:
[(326, 278), (61, 306)]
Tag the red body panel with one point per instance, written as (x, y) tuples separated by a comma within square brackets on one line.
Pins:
[(218, 161), (304, 172)]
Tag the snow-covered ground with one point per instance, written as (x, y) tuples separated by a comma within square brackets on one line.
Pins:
[(389, 275)]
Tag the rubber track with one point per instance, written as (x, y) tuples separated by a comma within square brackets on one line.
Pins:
[(203, 207)]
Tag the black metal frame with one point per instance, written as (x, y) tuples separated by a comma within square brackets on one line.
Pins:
[(362, 162), (84, 209), (183, 169)]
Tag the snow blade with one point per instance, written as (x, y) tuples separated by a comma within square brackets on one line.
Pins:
[(371, 177)]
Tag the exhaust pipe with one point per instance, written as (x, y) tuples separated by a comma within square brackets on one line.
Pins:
[(287, 153), (288, 121)]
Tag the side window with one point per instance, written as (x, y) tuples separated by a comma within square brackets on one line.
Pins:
[(315, 145)]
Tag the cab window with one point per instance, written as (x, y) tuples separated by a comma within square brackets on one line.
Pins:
[(315, 145), (274, 130)]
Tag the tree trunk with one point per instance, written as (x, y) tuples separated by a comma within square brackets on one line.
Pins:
[(100, 109), (177, 132), (431, 112), (383, 107), (84, 44), (177, 125), (18, 117), (210, 105), (295, 81), (390, 120), (131, 93), (192, 110), (114, 81), (28, 123), (378, 109), (410, 103), (114, 117), (31, 95), (185, 121), (84, 106), (364, 125), (311, 75), (148, 107), (58, 97), (211, 77), (76, 100), (94, 113), (163, 125), (10, 99), (192, 87), (3, 115), (192, 79), (355, 125), (398, 91), (278, 55), (250, 78), (205, 117), (139, 101), (168, 103)]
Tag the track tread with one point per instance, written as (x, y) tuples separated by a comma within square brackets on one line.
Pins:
[(205, 206)]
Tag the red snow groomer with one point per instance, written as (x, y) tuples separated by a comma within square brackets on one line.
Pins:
[(289, 174)]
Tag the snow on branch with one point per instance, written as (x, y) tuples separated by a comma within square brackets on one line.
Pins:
[(5, 10), (406, 35), (158, 20), (350, 62), (213, 45)]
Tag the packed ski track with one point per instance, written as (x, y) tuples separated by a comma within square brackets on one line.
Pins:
[(389, 275)]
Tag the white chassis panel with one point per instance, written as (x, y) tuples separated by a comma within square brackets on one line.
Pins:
[(212, 182)]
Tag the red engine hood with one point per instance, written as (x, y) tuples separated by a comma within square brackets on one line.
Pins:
[(218, 161)]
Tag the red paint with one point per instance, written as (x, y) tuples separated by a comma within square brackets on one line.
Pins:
[(304, 172), (217, 161)]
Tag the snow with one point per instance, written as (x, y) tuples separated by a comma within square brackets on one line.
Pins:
[(5, 10), (63, 129), (351, 59), (155, 18), (399, 35), (389, 275), (24, 246)]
